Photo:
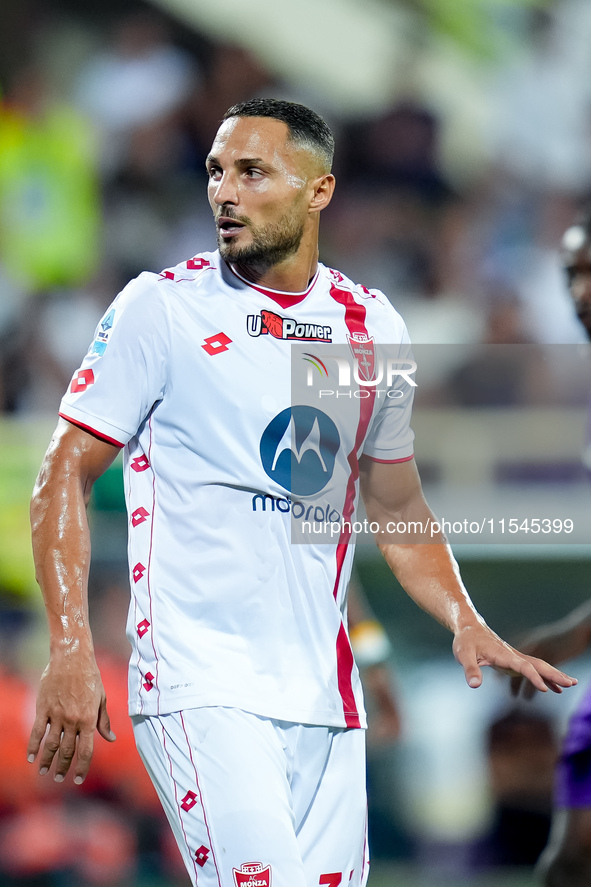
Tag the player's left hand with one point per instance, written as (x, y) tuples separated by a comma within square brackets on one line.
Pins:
[(476, 646)]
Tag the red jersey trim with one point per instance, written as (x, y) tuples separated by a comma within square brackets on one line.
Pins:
[(355, 321), (283, 299), (346, 662), (99, 434), (390, 461)]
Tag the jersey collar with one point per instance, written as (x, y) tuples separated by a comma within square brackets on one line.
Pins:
[(285, 300)]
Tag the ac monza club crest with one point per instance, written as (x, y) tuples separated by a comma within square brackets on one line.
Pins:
[(252, 874), (362, 347)]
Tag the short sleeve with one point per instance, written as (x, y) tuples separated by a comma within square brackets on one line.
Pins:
[(125, 370), (390, 437)]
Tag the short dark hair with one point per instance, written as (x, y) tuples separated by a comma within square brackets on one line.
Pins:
[(306, 128)]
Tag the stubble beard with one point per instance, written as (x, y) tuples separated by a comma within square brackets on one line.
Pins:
[(270, 246)]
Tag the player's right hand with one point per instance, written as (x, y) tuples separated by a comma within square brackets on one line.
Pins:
[(71, 704)]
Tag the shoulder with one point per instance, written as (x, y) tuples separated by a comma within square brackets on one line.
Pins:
[(160, 288), (199, 267), (379, 309)]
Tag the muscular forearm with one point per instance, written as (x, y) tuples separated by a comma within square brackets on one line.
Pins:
[(61, 549), (424, 565), (430, 576), (71, 702), (423, 562)]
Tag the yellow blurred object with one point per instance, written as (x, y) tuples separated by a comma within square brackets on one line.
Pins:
[(21, 449), (49, 198), (370, 643)]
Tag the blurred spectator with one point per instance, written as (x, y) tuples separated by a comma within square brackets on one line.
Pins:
[(105, 833), (542, 129), (49, 199), (403, 217), (233, 75), (136, 83), (45, 347), (522, 751)]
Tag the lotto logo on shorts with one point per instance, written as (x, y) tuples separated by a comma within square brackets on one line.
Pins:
[(252, 874), (142, 627), (202, 855), (82, 380)]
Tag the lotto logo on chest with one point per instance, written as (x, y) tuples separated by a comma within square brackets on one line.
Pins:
[(252, 874)]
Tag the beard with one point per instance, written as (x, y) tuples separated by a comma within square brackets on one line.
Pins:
[(270, 245)]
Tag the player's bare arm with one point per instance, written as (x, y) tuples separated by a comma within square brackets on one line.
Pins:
[(429, 574), (71, 702), (557, 641)]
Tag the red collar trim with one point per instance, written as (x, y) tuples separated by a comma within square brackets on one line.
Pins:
[(285, 300)]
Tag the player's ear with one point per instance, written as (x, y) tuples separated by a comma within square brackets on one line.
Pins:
[(323, 189)]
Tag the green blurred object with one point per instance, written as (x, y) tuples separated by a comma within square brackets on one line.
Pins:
[(21, 451), (49, 199), (108, 493), (472, 24), (22, 445), (513, 595)]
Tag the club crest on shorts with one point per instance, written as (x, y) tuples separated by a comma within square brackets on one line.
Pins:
[(252, 874)]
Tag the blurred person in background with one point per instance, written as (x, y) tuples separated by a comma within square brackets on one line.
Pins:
[(50, 227), (227, 695), (398, 222), (567, 859), (539, 138), (521, 751), (112, 832), (136, 93)]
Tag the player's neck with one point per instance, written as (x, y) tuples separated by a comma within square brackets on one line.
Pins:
[(292, 275)]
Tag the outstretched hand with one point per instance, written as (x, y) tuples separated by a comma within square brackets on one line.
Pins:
[(71, 704), (475, 646), (556, 642)]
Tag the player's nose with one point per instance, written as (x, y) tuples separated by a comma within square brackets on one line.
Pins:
[(225, 190)]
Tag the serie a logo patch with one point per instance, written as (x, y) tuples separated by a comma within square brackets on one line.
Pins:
[(252, 874)]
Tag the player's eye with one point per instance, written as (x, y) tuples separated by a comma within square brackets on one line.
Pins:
[(214, 172), (253, 172)]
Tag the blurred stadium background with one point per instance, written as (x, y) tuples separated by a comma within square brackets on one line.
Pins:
[(464, 151)]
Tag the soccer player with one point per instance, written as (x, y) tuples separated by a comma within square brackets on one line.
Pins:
[(566, 862), (245, 699)]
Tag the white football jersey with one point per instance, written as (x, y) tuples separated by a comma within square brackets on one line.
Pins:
[(190, 372)]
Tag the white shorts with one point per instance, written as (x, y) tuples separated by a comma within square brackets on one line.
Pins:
[(256, 802)]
